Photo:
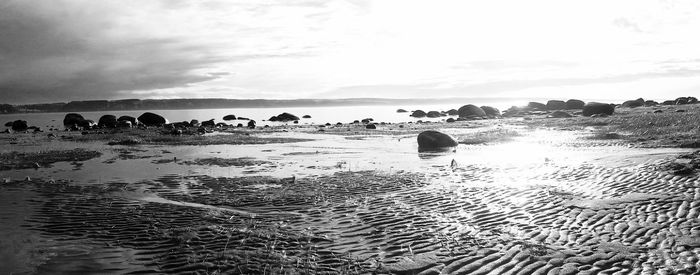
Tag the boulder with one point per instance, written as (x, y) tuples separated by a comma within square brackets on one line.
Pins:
[(127, 118), (371, 126), (284, 117), (72, 120), (491, 111), (9, 124), (681, 100), (195, 123), (556, 105), (108, 121), (449, 120), (124, 124), (559, 114), (151, 119), (574, 104), (209, 123), (434, 140), (221, 125), (596, 108), (306, 116), (19, 125), (452, 112), (470, 110), (669, 102), (418, 113), (229, 117), (86, 124), (367, 120), (649, 103), (401, 111), (692, 100), (537, 106), (251, 124), (433, 114), (639, 102)]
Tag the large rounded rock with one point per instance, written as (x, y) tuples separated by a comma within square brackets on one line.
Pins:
[(537, 106), (371, 126), (284, 117), (72, 120), (435, 140), (596, 108), (209, 123), (127, 118), (19, 125), (151, 119), (556, 105), (251, 124), (418, 113), (491, 111), (109, 121), (470, 110), (229, 117), (452, 112), (433, 114), (401, 111), (574, 104), (639, 102)]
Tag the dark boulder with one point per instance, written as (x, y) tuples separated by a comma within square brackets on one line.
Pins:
[(371, 126), (559, 114), (470, 110), (72, 120), (229, 117), (639, 102), (209, 123), (306, 116), (681, 100), (195, 123), (452, 112), (243, 118), (433, 114), (19, 125), (151, 119), (537, 106), (240, 125), (556, 105), (9, 124), (221, 125), (366, 120), (108, 121), (401, 111), (284, 117), (127, 118), (491, 111), (650, 103), (251, 124), (596, 108), (124, 124), (574, 104), (435, 140), (669, 102), (86, 124), (418, 113), (449, 120)]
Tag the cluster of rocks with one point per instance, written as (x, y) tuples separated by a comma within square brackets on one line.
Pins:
[(640, 102)]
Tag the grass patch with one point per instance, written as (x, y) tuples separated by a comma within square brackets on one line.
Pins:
[(16, 160), (222, 162), (642, 125), (156, 136)]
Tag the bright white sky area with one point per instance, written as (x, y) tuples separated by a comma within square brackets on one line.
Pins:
[(61, 50)]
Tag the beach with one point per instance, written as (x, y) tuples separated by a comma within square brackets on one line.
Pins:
[(526, 194)]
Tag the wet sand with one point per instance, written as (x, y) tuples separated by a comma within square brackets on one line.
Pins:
[(545, 202)]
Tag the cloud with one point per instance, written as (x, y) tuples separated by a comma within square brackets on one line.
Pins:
[(72, 50)]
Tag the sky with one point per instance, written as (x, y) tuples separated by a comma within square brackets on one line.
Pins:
[(63, 50)]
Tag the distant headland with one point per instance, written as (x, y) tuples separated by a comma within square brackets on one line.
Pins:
[(221, 103)]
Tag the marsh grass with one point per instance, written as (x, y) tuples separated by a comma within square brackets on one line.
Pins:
[(641, 126), (17, 160), (157, 136)]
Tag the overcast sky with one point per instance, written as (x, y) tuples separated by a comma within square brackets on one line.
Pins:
[(62, 50)]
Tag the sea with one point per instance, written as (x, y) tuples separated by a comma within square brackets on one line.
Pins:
[(319, 115)]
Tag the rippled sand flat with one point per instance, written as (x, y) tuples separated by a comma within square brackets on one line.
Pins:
[(546, 202)]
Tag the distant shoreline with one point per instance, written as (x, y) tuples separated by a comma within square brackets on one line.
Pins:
[(221, 103)]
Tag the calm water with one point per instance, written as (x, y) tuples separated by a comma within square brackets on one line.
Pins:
[(319, 115)]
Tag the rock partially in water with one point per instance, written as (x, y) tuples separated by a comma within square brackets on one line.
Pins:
[(574, 104), (435, 140), (19, 125), (401, 111), (108, 121), (418, 113), (229, 117), (72, 120), (491, 111), (284, 117)]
